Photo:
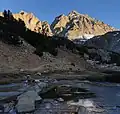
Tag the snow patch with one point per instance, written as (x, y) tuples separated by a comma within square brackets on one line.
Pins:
[(116, 34), (68, 27), (81, 39), (84, 37), (88, 36), (76, 20), (118, 40)]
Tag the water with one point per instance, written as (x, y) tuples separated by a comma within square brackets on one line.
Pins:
[(108, 97), (107, 94), (10, 90)]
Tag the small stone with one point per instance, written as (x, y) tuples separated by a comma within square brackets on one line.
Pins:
[(48, 106), (39, 74), (21, 70), (9, 106), (37, 80), (60, 99)]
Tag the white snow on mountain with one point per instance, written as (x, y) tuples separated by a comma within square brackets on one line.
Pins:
[(83, 38)]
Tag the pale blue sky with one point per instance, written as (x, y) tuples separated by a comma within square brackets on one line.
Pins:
[(105, 10)]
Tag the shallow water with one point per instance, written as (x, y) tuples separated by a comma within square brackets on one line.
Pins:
[(108, 97), (9, 90), (107, 94)]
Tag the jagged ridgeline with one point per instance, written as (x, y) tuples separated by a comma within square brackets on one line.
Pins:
[(14, 32)]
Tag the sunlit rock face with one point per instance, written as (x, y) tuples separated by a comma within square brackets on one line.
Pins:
[(33, 23), (78, 26), (73, 26)]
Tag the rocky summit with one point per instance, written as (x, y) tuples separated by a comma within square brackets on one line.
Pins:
[(76, 26), (33, 23)]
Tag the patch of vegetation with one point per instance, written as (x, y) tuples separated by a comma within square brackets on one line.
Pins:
[(12, 30), (82, 50), (115, 58)]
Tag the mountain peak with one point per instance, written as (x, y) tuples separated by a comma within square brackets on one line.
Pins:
[(22, 12), (76, 25), (74, 12), (33, 23)]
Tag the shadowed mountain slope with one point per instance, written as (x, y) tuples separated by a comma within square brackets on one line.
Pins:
[(19, 46)]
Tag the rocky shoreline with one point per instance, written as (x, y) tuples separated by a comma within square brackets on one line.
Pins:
[(101, 75), (18, 77), (49, 96), (30, 100)]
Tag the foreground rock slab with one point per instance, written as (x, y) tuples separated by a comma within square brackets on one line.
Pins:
[(26, 101)]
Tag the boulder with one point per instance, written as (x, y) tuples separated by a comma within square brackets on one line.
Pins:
[(42, 84), (27, 101), (60, 99)]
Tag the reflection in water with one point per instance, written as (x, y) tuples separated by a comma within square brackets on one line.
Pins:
[(108, 97), (9, 90)]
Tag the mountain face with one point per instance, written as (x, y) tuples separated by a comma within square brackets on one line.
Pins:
[(25, 50), (18, 59), (76, 26), (24, 57), (109, 41), (33, 23), (73, 26)]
